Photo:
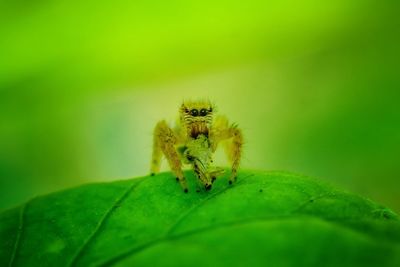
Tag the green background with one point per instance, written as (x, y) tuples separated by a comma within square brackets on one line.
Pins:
[(313, 85)]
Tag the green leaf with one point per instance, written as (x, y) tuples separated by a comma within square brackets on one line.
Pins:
[(266, 218)]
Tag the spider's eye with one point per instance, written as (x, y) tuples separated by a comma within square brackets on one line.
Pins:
[(194, 112), (203, 112)]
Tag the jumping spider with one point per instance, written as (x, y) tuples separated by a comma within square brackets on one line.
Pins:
[(194, 140)]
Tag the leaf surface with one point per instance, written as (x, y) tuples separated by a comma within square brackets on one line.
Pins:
[(274, 218)]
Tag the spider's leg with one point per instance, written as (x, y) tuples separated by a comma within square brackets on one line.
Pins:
[(233, 147), (156, 156), (234, 150), (165, 141)]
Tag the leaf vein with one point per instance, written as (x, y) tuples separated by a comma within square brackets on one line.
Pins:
[(19, 234), (167, 235), (132, 251), (101, 223)]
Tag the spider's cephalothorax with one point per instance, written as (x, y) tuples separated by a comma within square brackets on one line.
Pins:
[(194, 140)]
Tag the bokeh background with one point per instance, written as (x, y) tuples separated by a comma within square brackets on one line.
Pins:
[(315, 86)]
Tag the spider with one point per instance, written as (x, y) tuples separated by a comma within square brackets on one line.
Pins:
[(193, 141)]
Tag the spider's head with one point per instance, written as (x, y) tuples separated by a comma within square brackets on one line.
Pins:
[(197, 116)]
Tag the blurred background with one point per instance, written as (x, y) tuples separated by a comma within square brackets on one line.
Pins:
[(314, 85)]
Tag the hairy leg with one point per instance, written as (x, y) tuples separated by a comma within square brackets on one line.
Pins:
[(234, 150), (164, 141), (222, 131), (156, 156)]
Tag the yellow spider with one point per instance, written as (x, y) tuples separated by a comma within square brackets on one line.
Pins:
[(194, 140)]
